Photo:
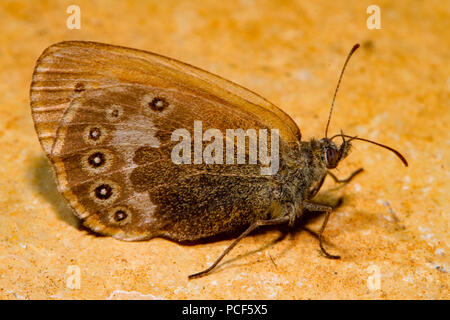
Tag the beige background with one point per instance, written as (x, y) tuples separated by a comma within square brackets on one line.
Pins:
[(396, 91)]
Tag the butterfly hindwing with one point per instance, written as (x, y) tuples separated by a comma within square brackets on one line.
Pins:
[(112, 154)]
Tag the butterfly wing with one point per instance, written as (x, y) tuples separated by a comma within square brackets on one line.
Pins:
[(105, 117)]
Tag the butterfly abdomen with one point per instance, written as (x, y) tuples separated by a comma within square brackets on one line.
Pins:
[(202, 206)]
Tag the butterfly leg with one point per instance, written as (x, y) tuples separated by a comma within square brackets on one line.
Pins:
[(311, 206), (337, 180), (257, 224)]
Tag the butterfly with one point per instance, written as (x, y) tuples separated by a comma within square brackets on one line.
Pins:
[(105, 116)]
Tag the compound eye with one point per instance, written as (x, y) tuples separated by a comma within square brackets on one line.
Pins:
[(331, 157)]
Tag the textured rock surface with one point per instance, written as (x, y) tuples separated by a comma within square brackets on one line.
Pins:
[(396, 91)]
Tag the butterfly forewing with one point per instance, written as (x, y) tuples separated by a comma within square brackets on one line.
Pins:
[(68, 67)]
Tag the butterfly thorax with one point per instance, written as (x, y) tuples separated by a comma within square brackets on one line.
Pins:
[(305, 172)]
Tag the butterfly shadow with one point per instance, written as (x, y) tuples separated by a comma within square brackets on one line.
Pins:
[(42, 179)]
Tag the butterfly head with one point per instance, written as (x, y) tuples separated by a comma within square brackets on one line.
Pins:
[(331, 153)]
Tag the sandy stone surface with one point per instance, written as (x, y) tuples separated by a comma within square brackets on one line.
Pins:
[(392, 230)]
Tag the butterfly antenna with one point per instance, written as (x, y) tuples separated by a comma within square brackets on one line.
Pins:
[(356, 46), (397, 153)]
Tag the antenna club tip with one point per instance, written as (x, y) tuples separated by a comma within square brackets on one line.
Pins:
[(356, 46), (402, 158)]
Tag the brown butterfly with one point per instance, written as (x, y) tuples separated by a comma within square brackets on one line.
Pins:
[(105, 116)]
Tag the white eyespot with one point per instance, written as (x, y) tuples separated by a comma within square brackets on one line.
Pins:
[(94, 134), (97, 161), (120, 216), (114, 113), (155, 104), (104, 192)]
